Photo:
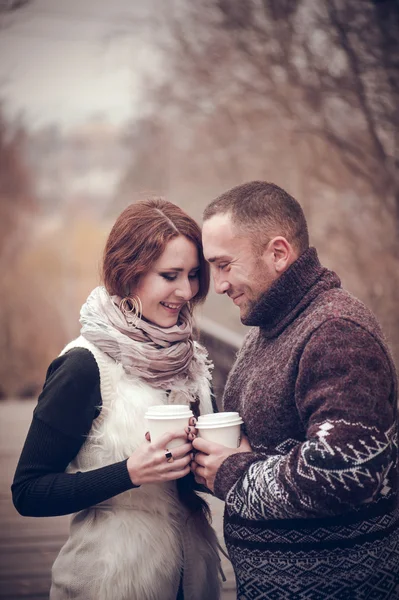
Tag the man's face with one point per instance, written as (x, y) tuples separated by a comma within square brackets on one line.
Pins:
[(236, 268)]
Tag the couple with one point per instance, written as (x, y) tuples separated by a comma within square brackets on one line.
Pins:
[(311, 493)]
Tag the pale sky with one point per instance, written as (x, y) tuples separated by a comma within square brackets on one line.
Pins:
[(65, 60)]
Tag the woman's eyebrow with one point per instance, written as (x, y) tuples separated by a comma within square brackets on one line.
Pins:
[(179, 269)]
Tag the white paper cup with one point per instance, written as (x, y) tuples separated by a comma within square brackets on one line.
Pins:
[(223, 428), (168, 418)]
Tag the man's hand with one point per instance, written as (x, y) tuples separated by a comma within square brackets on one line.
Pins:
[(210, 456)]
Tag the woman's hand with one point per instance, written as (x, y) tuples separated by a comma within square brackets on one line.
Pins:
[(149, 462)]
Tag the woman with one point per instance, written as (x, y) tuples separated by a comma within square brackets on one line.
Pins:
[(138, 528)]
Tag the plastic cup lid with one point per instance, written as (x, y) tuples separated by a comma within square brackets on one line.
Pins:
[(219, 420), (170, 411)]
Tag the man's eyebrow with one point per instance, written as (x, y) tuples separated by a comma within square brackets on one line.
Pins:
[(215, 258)]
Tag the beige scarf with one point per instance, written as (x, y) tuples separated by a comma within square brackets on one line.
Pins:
[(160, 356)]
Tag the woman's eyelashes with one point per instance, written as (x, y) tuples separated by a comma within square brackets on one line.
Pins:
[(169, 276), (173, 276)]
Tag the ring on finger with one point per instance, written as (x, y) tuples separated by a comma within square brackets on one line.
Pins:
[(168, 456)]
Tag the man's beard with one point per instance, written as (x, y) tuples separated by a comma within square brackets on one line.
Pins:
[(247, 309), (253, 297)]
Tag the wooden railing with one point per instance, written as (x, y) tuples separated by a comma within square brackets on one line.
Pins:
[(222, 345)]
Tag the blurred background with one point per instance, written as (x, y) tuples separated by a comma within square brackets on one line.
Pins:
[(103, 103)]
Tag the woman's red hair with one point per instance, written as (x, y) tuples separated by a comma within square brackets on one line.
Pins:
[(139, 237)]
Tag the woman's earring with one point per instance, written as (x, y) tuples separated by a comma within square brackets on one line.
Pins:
[(132, 309)]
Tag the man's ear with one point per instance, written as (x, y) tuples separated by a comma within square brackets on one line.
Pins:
[(280, 254)]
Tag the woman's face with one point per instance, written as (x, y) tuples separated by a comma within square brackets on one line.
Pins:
[(171, 282)]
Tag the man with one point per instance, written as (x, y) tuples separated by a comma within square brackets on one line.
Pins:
[(312, 492)]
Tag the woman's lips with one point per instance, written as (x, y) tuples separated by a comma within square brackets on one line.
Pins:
[(172, 309)]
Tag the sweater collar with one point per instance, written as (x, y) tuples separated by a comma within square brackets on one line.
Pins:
[(291, 293)]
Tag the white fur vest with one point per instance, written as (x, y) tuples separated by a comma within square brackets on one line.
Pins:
[(135, 545)]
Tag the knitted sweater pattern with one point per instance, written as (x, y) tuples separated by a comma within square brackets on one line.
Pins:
[(316, 387)]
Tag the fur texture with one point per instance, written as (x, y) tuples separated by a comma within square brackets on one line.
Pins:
[(132, 547)]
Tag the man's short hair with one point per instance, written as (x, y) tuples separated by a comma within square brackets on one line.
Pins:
[(262, 211)]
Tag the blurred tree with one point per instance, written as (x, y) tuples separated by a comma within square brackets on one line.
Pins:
[(16, 199), (16, 191), (329, 70), (302, 93), (148, 173), (7, 6), (16, 214), (15, 182)]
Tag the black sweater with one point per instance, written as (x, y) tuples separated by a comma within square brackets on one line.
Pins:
[(67, 406)]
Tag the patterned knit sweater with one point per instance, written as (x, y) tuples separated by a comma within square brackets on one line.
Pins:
[(316, 387)]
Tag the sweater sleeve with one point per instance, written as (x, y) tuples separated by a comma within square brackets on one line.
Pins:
[(66, 408), (345, 398)]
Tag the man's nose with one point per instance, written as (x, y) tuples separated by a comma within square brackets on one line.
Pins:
[(221, 285)]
